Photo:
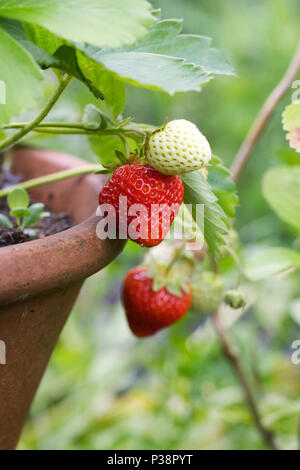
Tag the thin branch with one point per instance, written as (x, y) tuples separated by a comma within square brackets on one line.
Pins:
[(264, 115), (6, 144), (232, 356)]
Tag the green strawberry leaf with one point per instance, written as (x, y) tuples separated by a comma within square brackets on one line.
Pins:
[(101, 82), (17, 30), (185, 224), (213, 224), (270, 261), (164, 59), (281, 189), (223, 187), (101, 22), (34, 39), (291, 123), (43, 39), (67, 62), (112, 87), (16, 62)]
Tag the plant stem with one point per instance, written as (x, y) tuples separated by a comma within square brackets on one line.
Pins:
[(264, 115), (6, 144), (177, 253), (20, 125), (237, 263), (74, 128), (232, 356), (60, 175)]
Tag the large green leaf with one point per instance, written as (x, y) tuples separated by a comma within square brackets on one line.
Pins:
[(198, 191), (164, 59), (108, 82), (40, 55), (40, 43), (164, 38), (270, 261), (101, 22), (223, 186), (281, 188), (20, 78), (99, 80), (43, 38)]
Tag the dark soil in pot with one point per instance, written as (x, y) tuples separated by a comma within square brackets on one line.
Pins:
[(50, 225)]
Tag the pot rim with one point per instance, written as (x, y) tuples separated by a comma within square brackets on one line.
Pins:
[(57, 260)]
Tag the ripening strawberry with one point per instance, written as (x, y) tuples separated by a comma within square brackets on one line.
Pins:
[(178, 147), (208, 293), (159, 197), (148, 310)]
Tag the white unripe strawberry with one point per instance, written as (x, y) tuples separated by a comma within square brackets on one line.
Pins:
[(178, 147)]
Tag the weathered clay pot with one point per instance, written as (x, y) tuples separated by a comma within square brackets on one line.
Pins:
[(40, 280)]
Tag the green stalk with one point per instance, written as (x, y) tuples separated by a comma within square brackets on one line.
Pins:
[(237, 263), (53, 177), (177, 253), (73, 128), (7, 143), (20, 125)]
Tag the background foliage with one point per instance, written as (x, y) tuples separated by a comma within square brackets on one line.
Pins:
[(105, 389)]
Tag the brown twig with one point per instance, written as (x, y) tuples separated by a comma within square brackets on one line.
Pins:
[(232, 356), (264, 115)]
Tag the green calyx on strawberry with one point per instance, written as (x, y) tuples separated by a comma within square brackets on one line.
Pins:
[(235, 299), (178, 147), (173, 280), (208, 293), (154, 192), (150, 305)]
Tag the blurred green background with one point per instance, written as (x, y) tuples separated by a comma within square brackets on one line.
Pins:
[(104, 389)]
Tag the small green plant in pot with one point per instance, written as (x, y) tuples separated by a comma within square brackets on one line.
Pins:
[(23, 214)]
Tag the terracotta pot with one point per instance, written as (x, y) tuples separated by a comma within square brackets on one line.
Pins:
[(40, 280)]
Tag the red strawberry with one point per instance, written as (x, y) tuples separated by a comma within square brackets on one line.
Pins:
[(148, 311), (143, 185)]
